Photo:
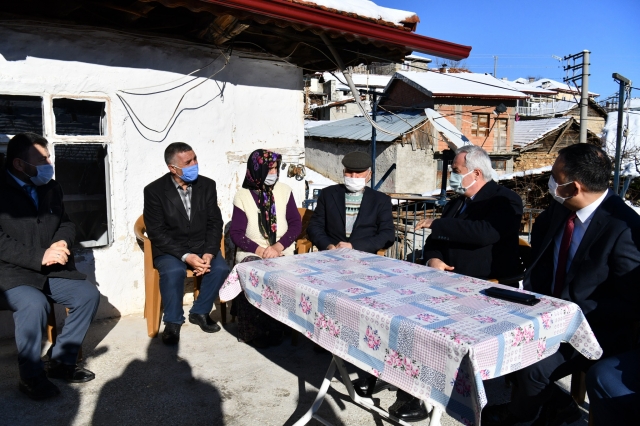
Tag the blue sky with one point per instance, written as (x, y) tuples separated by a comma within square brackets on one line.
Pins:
[(525, 35)]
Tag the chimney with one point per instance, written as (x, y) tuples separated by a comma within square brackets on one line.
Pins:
[(443, 69), (504, 79), (532, 79)]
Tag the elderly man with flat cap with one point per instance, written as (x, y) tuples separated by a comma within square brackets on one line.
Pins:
[(352, 215)]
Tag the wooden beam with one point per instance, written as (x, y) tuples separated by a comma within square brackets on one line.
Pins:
[(560, 135)]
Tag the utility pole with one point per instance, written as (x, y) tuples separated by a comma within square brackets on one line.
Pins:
[(375, 98), (624, 83), (495, 66), (576, 63)]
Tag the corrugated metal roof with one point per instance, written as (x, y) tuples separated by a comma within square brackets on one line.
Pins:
[(459, 84), (359, 128), (528, 131)]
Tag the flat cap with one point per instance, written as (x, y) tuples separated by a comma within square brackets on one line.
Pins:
[(357, 161)]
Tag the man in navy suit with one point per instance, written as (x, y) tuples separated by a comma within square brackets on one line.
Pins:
[(352, 215), (184, 225), (584, 250)]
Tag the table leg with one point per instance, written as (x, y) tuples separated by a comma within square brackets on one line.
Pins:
[(319, 398), (367, 403)]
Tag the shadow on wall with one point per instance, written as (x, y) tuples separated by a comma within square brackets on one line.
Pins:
[(104, 48)]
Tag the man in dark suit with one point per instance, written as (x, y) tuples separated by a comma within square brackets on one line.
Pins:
[(351, 215), (477, 234), (584, 250), (184, 226), (36, 264)]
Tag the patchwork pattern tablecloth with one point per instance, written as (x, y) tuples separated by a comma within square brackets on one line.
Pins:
[(431, 333)]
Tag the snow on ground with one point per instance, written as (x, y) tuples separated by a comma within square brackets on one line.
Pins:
[(366, 8), (630, 144)]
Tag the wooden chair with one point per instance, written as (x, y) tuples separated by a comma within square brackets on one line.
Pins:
[(153, 300)]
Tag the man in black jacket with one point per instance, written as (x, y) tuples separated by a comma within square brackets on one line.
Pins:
[(184, 225), (36, 263), (477, 234), (584, 250), (352, 215)]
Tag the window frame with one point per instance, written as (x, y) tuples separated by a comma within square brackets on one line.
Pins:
[(475, 122)]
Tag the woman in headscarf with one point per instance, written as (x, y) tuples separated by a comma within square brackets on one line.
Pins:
[(264, 225)]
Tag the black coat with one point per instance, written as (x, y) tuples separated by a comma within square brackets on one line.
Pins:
[(604, 276), (482, 241), (26, 233), (168, 226), (372, 231)]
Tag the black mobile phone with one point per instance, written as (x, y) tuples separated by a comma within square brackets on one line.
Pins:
[(512, 296)]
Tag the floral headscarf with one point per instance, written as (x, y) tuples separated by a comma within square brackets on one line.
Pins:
[(258, 165)]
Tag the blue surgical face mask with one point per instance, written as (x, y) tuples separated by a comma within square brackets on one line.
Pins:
[(455, 182), (44, 174), (189, 174)]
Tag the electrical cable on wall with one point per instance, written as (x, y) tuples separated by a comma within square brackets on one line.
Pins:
[(176, 113)]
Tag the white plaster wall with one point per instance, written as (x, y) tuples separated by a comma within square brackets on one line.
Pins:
[(417, 170), (261, 107)]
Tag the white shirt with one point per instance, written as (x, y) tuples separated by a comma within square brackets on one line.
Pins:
[(581, 223)]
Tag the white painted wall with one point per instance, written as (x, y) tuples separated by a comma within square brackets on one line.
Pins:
[(261, 107)]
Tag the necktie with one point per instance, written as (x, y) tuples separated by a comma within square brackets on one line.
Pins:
[(31, 192), (463, 206), (563, 255)]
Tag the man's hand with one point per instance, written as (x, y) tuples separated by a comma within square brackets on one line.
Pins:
[(197, 264), (439, 264), (56, 255), (424, 223), (61, 243), (342, 244), (331, 247), (207, 257)]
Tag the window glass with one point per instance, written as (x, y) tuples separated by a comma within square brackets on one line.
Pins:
[(79, 117), (19, 114), (480, 124), (81, 170)]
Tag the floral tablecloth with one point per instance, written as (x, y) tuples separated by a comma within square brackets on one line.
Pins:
[(431, 333)]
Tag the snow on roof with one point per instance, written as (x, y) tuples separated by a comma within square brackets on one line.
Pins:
[(538, 171), (366, 8), (547, 83), (452, 135), (458, 84), (360, 80), (522, 86), (529, 131)]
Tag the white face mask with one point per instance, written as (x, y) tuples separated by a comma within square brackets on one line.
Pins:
[(271, 179), (44, 174), (455, 182), (553, 190), (354, 184)]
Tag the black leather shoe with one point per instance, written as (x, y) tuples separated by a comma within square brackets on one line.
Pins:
[(557, 416), (38, 387), (367, 386), (171, 333), (69, 373), (499, 415), (205, 322), (412, 410)]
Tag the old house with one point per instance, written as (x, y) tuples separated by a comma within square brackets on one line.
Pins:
[(111, 84), (480, 106), (538, 141)]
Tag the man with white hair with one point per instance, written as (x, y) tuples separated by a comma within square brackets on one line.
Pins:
[(477, 234)]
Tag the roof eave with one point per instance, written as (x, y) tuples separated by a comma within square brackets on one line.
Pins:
[(305, 15)]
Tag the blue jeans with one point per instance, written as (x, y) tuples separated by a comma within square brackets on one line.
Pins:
[(613, 385), (30, 309), (173, 271)]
